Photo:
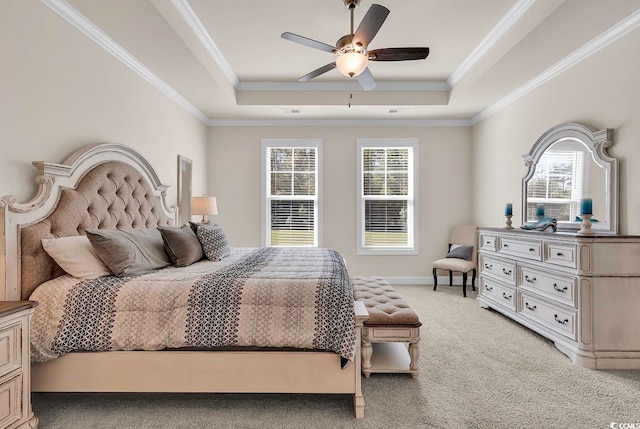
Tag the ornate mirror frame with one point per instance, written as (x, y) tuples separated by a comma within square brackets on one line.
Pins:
[(597, 142)]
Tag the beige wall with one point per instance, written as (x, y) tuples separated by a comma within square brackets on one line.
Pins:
[(59, 91), (603, 91), (445, 197)]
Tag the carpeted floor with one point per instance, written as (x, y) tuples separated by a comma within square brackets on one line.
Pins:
[(478, 370)]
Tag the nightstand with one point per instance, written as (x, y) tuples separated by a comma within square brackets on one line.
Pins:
[(15, 365)]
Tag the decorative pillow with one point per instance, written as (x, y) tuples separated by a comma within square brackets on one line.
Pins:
[(76, 256), (181, 244), (214, 243), (460, 252), (194, 225), (129, 252)]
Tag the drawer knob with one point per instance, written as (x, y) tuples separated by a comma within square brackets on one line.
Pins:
[(530, 280), (563, 290), (489, 288), (560, 321), (504, 271), (488, 267), (505, 245), (531, 249), (504, 295), (526, 304), (487, 242), (559, 254)]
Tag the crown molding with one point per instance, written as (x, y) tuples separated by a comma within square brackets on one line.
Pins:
[(192, 20), (75, 18), (341, 86), (617, 31), (513, 15), (339, 123)]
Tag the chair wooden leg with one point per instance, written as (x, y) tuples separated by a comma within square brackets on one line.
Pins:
[(473, 280), (450, 278), (464, 284), (435, 279)]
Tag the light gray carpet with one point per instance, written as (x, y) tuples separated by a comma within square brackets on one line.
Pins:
[(478, 370)]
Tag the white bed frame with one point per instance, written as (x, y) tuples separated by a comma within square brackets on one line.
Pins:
[(160, 371)]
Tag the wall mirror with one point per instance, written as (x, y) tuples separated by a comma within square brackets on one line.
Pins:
[(567, 163)]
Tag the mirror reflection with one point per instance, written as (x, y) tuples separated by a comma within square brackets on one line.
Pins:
[(565, 173), (568, 163)]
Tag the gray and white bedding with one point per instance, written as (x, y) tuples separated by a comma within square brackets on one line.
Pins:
[(255, 297)]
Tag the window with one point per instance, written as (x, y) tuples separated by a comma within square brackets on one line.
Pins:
[(290, 190), (387, 190), (557, 184)]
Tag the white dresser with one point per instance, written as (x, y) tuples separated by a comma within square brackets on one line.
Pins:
[(583, 293), (15, 381)]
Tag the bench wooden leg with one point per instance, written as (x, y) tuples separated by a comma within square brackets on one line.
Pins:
[(367, 352), (414, 353)]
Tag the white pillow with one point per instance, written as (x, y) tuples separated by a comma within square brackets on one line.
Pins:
[(76, 256)]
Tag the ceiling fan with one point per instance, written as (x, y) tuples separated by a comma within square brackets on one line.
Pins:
[(352, 49)]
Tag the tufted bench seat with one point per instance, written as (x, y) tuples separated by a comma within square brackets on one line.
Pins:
[(391, 320)]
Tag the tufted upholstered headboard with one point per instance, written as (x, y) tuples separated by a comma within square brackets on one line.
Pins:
[(101, 186)]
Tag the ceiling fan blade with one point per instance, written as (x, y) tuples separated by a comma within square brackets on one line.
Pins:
[(318, 72), (365, 79), (370, 25), (308, 42), (398, 54)]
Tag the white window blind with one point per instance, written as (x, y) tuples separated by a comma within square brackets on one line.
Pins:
[(291, 203), (557, 184), (387, 207)]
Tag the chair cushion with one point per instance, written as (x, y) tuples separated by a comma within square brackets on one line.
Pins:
[(454, 264)]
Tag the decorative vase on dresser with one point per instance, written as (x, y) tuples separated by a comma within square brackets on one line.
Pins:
[(581, 292), (15, 365)]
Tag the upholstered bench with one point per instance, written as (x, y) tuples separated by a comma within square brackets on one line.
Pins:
[(391, 323)]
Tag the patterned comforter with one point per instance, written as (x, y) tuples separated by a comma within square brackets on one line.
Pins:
[(256, 297)]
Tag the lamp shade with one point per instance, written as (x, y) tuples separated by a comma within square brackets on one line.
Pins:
[(204, 206), (352, 63)]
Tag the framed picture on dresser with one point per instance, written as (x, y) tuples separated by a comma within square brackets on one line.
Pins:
[(184, 189)]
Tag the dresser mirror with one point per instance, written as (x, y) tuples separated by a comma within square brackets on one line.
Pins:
[(570, 162)]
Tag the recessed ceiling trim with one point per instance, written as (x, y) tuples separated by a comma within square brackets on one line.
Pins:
[(339, 123), (75, 18), (201, 33), (509, 20), (341, 86), (617, 31)]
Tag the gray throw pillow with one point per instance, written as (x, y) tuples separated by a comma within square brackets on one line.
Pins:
[(460, 252), (129, 252), (214, 243), (181, 244)]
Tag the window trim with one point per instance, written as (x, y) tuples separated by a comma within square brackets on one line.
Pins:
[(412, 143), (290, 142)]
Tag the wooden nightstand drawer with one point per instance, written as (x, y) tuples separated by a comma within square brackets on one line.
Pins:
[(10, 349), (11, 401)]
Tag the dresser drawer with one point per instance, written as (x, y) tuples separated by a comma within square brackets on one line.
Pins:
[(503, 295), (559, 319), (557, 287), (529, 249), (488, 242), (561, 254), (10, 347), (10, 401), (502, 270)]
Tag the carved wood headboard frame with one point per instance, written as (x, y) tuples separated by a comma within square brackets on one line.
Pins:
[(97, 186)]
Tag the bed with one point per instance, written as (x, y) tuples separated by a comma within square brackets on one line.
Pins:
[(111, 186)]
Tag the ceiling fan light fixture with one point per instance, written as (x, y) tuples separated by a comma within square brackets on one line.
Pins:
[(351, 64)]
